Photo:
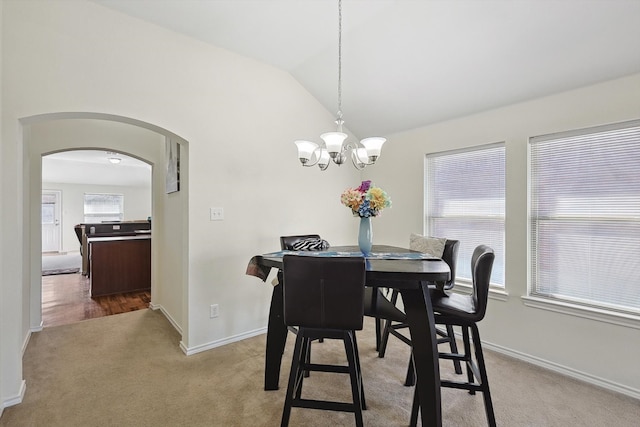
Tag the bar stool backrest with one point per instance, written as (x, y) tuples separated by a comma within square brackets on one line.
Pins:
[(324, 292)]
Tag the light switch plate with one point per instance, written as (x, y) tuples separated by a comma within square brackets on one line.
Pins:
[(216, 214)]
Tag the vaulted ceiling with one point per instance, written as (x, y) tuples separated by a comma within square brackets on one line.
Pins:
[(405, 63), (409, 63)]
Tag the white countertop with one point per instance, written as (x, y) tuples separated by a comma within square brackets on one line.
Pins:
[(118, 238)]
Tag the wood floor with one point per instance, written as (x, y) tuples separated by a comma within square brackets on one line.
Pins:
[(65, 299)]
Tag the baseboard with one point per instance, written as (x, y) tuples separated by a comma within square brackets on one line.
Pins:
[(565, 370), (208, 346), (16, 399), (219, 343), (25, 342), (37, 328), (543, 363), (171, 320)]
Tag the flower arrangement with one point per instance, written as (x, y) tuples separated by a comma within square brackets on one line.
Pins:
[(366, 200)]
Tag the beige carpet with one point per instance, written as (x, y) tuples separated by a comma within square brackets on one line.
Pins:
[(127, 370)]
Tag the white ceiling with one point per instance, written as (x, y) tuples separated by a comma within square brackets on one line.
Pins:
[(409, 63), (93, 167)]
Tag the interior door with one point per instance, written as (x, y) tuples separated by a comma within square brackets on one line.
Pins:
[(51, 221)]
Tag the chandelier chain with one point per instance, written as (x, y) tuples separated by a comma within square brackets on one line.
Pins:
[(334, 149), (339, 59)]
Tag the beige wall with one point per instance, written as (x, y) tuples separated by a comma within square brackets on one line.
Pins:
[(10, 386), (586, 348), (48, 136), (237, 119)]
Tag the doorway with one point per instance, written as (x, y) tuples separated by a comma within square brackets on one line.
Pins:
[(98, 186), (51, 221), (52, 133)]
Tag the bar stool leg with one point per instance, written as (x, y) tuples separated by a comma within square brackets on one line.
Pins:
[(293, 380), (356, 389)]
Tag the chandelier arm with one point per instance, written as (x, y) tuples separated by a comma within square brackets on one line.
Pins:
[(308, 165), (358, 166), (315, 153), (354, 153)]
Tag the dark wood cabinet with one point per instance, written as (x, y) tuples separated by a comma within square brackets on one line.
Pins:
[(106, 229), (119, 264)]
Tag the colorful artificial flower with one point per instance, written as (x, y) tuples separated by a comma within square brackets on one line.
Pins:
[(365, 200)]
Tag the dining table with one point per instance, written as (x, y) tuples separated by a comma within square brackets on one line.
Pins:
[(394, 267)]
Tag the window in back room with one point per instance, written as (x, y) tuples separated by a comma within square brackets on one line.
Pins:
[(103, 207)]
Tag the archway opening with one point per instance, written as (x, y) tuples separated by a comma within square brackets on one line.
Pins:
[(80, 188), (58, 132)]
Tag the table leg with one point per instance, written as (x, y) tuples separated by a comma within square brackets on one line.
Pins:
[(276, 339), (417, 304)]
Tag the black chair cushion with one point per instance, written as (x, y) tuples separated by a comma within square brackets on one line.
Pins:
[(454, 304)]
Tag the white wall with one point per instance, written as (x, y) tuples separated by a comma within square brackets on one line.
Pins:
[(238, 119), (137, 205), (48, 136), (603, 353), (7, 386), (12, 387)]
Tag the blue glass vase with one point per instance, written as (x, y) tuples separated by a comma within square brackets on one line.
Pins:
[(365, 235)]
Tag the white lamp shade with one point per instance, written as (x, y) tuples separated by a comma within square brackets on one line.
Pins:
[(333, 141), (324, 158), (373, 145), (305, 149)]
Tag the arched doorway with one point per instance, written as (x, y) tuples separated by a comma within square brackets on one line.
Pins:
[(82, 187), (49, 133)]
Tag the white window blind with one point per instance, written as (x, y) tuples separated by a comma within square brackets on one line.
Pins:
[(585, 216), (103, 207), (464, 201)]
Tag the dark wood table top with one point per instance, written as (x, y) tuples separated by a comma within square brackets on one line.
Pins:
[(384, 270)]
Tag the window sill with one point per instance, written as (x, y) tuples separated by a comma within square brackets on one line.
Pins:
[(628, 320)]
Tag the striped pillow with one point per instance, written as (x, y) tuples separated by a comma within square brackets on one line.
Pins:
[(310, 244)]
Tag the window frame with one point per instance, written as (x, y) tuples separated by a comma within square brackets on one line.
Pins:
[(567, 304), (497, 291)]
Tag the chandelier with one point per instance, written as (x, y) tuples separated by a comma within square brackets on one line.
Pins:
[(334, 149)]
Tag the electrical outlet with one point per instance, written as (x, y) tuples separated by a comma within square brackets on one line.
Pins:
[(213, 311), (216, 214)]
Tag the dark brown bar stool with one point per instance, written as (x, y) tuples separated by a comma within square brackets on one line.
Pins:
[(377, 305), (300, 242), (323, 298), (466, 311)]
